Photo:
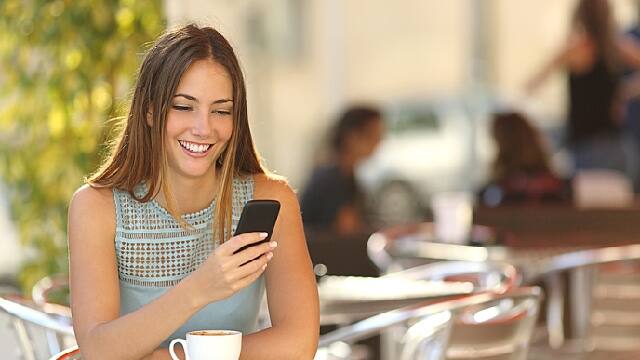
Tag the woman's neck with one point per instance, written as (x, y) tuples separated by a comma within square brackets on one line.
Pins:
[(347, 163), (191, 194)]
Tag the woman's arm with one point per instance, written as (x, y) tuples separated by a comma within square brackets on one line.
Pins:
[(95, 299), (291, 286), (562, 58), (629, 51)]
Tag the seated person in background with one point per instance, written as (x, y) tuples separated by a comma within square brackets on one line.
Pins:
[(521, 173), (331, 198)]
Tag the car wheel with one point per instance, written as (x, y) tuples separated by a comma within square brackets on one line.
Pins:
[(397, 203)]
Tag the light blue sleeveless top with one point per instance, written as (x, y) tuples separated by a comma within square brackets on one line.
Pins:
[(154, 253)]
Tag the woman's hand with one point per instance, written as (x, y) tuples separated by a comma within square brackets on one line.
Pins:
[(226, 272)]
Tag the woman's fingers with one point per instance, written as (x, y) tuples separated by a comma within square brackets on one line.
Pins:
[(239, 241), (258, 269), (252, 267), (252, 252)]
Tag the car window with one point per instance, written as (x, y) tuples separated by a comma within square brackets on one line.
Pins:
[(409, 120)]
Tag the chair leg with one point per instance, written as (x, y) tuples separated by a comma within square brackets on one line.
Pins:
[(555, 311), (581, 282), (23, 339), (53, 342)]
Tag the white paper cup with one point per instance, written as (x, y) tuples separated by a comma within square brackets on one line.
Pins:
[(453, 216)]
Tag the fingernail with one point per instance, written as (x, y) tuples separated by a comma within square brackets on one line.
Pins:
[(273, 244), (263, 235), (269, 256), (264, 266)]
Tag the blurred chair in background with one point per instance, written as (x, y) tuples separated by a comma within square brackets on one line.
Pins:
[(452, 329), (38, 335), (604, 298), (52, 292), (344, 299)]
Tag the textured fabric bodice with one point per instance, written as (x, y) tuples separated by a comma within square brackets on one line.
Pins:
[(155, 253)]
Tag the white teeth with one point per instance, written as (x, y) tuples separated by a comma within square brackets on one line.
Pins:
[(196, 148)]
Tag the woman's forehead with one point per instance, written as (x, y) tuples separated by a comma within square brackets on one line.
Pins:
[(206, 81)]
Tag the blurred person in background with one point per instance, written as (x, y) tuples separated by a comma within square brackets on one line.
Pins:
[(594, 57), (631, 90), (332, 199), (521, 173), (333, 206), (151, 251)]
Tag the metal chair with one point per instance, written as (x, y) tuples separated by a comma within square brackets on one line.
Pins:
[(495, 277), (429, 282), (425, 328), (38, 334), (498, 329), (51, 289), (414, 244), (72, 353), (586, 286), (404, 248), (411, 245)]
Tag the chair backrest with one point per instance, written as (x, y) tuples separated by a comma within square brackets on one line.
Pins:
[(53, 289), (425, 339), (514, 311), (497, 329), (344, 300), (38, 334), (414, 244), (495, 277), (592, 300)]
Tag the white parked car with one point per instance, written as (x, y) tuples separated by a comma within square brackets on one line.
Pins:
[(430, 146)]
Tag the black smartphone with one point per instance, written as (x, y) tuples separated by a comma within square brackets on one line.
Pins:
[(258, 216)]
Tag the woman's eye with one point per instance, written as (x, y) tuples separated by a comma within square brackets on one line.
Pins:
[(221, 112), (182, 107)]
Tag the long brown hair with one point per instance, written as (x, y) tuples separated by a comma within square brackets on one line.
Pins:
[(519, 146), (138, 154), (595, 19)]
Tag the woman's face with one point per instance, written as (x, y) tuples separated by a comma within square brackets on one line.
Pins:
[(363, 142), (200, 120)]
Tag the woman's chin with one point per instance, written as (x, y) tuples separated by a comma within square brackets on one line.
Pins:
[(195, 172)]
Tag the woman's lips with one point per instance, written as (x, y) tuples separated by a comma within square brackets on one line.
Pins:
[(195, 149)]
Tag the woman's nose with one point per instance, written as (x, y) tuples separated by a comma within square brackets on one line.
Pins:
[(201, 126)]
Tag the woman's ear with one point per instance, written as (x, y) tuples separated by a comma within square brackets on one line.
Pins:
[(149, 118)]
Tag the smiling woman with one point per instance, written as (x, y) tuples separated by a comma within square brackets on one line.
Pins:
[(199, 123), (151, 231)]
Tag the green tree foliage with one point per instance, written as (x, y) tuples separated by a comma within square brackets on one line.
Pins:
[(66, 69)]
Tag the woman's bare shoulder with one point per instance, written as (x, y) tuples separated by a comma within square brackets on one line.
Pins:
[(271, 186), (94, 202)]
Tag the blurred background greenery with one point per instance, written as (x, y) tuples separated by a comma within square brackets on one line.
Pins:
[(67, 69)]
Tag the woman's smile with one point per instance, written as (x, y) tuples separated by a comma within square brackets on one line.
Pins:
[(195, 149)]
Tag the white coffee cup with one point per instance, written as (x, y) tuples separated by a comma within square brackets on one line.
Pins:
[(209, 344), (453, 216)]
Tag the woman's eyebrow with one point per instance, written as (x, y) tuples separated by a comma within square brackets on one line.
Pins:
[(221, 101), (188, 97), (192, 98)]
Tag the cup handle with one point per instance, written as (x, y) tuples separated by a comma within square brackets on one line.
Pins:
[(184, 347)]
